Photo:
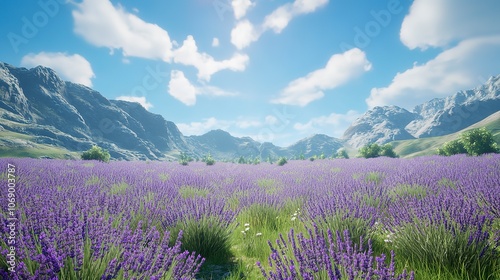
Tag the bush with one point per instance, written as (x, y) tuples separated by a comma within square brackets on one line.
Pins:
[(342, 153), (209, 160), (96, 153), (282, 161), (452, 148), (374, 150), (473, 143), (478, 141)]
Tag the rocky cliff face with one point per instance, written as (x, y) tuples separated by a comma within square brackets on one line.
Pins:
[(37, 102), (380, 125), (437, 117)]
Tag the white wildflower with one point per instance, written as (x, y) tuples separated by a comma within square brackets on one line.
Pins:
[(258, 234)]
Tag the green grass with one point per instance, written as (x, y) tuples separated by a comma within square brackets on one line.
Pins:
[(207, 236), (192, 192), (405, 190), (29, 148), (119, 188), (435, 250), (428, 146)]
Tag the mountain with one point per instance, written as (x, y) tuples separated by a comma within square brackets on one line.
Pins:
[(37, 102), (437, 117), (40, 113), (379, 125), (315, 145)]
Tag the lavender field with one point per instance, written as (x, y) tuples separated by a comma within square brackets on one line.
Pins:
[(421, 218)]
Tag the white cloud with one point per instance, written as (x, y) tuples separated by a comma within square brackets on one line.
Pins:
[(243, 34), (199, 128), (104, 25), (138, 99), (461, 67), (340, 69), (437, 23), (333, 124), (188, 54), (279, 18), (240, 7), (271, 120), (74, 68), (181, 89), (215, 42)]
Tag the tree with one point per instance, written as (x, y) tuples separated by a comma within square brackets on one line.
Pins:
[(452, 148), (370, 151), (473, 143), (387, 151), (342, 153), (209, 160), (478, 141), (96, 153), (374, 150), (282, 161), (242, 160)]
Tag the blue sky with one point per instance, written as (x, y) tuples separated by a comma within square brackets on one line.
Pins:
[(273, 70)]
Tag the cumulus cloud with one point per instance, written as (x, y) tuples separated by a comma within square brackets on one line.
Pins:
[(461, 67), (240, 7), (138, 99), (333, 124), (438, 23), (340, 69), (279, 18), (181, 88), (244, 33), (468, 34), (74, 68), (104, 25), (188, 54)]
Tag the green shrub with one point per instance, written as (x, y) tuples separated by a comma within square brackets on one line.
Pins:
[(96, 153), (342, 153), (282, 161), (452, 148), (374, 150), (209, 160), (474, 142), (478, 141)]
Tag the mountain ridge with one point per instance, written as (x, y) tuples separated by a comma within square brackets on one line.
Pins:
[(37, 103)]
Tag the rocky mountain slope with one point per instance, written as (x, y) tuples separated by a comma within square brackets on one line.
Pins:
[(37, 103), (437, 117)]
